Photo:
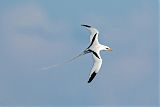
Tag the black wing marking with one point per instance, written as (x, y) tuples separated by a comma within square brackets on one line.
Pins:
[(94, 53), (92, 40), (86, 26), (92, 76)]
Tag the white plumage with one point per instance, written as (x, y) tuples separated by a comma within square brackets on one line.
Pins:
[(95, 47)]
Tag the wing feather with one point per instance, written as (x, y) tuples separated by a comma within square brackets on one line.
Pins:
[(93, 32), (96, 67)]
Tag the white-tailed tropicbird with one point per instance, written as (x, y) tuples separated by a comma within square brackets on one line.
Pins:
[(95, 47)]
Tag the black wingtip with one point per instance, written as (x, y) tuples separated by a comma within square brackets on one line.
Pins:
[(92, 76), (86, 25), (89, 81)]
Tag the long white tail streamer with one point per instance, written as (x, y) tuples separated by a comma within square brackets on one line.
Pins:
[(65, 62)]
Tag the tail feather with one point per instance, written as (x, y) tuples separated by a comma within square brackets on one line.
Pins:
[(67, 61)]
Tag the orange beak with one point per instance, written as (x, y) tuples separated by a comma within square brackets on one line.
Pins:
[(110, 49)]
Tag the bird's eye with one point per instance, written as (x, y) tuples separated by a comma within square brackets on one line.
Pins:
[(107, 48)]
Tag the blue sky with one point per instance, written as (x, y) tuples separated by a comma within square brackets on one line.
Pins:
[(38, 33)]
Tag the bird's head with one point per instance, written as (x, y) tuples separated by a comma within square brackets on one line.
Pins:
[(107, 48)]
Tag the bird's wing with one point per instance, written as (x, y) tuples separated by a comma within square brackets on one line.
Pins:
[(94, 33), (96, 66)]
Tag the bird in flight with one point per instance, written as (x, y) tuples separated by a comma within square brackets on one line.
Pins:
[(94, 48)]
